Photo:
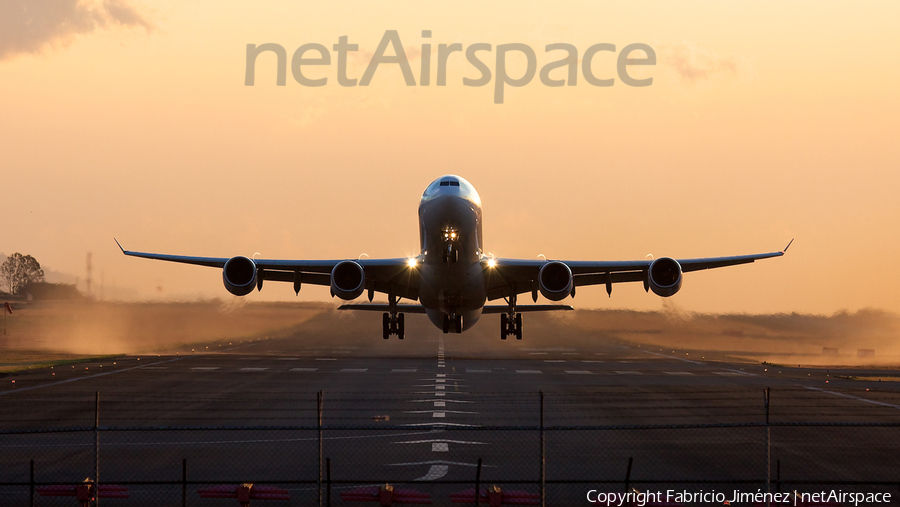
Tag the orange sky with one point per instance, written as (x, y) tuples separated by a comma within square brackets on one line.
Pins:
[(765, 121)]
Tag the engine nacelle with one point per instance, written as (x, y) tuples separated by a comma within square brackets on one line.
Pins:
[(348, 280), (555, 280), (665, 276), (239, 275)]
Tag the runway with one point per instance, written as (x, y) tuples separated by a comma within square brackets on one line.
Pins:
[(427, 409)]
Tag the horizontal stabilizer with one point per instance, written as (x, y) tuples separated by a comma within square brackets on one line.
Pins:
[(526, 308), (375, 307)]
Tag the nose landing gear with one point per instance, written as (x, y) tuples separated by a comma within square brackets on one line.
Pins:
[(511, 322), (453, 321), (392, 323)]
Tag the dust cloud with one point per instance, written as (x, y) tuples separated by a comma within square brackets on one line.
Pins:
[(865, 337)]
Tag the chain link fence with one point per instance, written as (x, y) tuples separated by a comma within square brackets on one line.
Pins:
[(546, 463)]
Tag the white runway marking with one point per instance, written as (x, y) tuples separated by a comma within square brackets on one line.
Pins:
[(440, 380), (435, 472), (578, 372), (440, 447), (403, 370), (440, 375), (254, 369), (466, 442), (528, 371), (478, 371), (730, 373), (288, 358), (440, 403), (437, 414), (325, 359), (672, 357), (678, 373), (207, 368), (89, 376), (854, 397), (554, 360), (538, 353), (440, 387), (354, 370), (629, 372), (591, 361), (304, 369)]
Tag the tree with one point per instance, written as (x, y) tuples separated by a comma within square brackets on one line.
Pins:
[(18, 271)]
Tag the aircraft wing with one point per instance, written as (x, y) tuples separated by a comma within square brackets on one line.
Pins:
[(382, 275), (518, 276)]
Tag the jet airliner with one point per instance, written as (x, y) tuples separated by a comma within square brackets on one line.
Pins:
[(452, 278)]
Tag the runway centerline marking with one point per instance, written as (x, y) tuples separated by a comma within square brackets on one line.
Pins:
[(354, 370), (254, 369), (326, 359), (678, 373), (629, 372), (440, 447), (579, 372), (528, 371), (554, 360), (288, 359), (207, 368), (304, 369)]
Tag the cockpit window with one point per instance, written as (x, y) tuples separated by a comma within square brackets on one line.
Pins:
[(449, 183)]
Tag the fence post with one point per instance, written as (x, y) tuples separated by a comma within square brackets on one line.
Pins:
[(319, 398), (768, 448), (31, 502), (97, 449), (328, 481), (778, 476), (543, 457), (184, 482), (628, 475), (478, 483)]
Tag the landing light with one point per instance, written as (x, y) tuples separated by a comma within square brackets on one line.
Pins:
[(491, 263), (411, 262)]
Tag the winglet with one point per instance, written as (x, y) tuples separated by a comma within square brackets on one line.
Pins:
[(788, 246), (120, 246)]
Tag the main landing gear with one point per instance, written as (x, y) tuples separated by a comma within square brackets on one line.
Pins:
[(511, 322), (392, 323), (454, 321)]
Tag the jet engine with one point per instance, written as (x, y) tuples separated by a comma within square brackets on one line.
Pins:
[(665, 276), (555, 280), (239, 275), (348, 280)]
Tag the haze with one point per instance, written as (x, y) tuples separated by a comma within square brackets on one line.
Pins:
[(765, 122)]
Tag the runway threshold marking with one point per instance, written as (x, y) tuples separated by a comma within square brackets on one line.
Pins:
[(91, 376), (852, 397)]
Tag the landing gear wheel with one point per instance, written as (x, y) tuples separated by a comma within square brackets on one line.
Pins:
[(504, 326), (458, 324), (518, 326), (400, 326), (446, 324), (386, 325)]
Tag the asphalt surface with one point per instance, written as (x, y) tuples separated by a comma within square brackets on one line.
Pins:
[(423, 410)]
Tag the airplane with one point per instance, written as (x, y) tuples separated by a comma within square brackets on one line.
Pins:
[(452, 278)]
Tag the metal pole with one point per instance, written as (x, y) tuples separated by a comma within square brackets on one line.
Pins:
[(184, 482), (97, 449), (31, 502), (478, 483), (768, 448), (328, 481), (628, 475), (543, 457), (319, 398)]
